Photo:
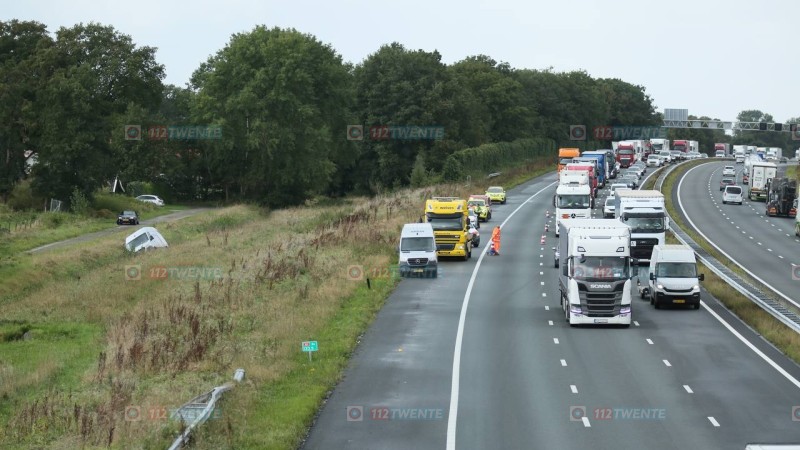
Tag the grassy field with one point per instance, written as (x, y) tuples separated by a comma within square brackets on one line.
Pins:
[(93, 345), (784, 338)]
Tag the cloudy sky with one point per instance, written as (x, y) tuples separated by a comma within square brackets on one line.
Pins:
[(711, 57)]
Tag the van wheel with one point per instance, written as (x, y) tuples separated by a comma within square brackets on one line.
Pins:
[(657, 303)]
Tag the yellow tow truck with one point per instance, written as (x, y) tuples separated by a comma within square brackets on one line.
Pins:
[(448, 216)]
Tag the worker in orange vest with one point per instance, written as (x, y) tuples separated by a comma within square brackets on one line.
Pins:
[(495, 247)]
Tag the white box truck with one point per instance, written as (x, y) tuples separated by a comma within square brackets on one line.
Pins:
[(645, 212), (573, 199), (418, 251), (673, 277), (760, 172), (595, 271)]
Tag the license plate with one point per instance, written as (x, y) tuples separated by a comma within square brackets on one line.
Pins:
[(679, 300), (600, 320), (419, 270)]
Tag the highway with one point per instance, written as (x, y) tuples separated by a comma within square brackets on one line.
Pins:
[(481, 358), (765, 246)]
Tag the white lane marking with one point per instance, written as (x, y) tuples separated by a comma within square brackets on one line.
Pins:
[(550, 322), (541, 264), (635, 323), (547, 308), (666, 363), (713, 421), (688, 389), (649, 341), (573, 388), (555, 341), (563, 363), (586, 422), (542, 283), (452, 418), (541, 273), (544, 294), (769, 249), (752, 347), (779, 256)]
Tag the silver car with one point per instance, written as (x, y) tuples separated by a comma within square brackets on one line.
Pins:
[(154, 199)]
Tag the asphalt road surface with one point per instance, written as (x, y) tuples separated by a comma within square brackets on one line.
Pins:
[(482, 358), (765, 246)]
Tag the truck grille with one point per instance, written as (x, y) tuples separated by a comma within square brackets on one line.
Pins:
[(446, 242), (445, 247), (601, 303), (643, 248), (418, 261)]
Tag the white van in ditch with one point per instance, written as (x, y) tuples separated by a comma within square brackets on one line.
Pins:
[(673, 277), (418, 251)]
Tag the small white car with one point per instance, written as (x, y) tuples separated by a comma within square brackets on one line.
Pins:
[(608, 208), (665, 156), (728, 171), (732, 194), (653, 161), (154, 199), (616, 186)]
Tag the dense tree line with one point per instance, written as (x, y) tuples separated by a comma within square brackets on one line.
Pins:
[(283, 101)]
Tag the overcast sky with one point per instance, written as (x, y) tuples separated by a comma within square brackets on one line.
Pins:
[(713, 58)]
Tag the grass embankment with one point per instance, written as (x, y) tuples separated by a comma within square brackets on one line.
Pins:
[(784, 338), (87, 350)]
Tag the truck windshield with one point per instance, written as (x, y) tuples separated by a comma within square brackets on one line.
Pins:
[(600, 268), (658, 147), (676, 270), (645, 224), (417, 244), (573, 201), (565, 161), (450, 224)]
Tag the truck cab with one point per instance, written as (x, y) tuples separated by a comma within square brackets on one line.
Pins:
[(449, 218), (673, 277), (573, 197), (418, 251), (644, 211), (595, 271)]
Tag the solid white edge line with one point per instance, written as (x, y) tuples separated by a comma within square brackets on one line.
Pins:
[(452, 418), (680, 204), (752, 347)]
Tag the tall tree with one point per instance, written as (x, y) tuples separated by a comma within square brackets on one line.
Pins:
[(282, 98), (20, 80), (97, 73)]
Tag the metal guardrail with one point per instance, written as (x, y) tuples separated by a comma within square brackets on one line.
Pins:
[(774, 307), (200, 409)]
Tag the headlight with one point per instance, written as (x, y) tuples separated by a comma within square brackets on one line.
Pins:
[(696, 287), (660, 286), (460, 247)]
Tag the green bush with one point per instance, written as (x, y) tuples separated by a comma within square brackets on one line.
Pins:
[(119, 202), (78, 202), (54, 219), (497, 156), (22, 198)]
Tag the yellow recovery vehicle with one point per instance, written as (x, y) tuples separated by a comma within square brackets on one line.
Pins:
[(448, 216)]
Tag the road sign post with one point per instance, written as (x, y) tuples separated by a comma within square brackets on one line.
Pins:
[(310, 347)]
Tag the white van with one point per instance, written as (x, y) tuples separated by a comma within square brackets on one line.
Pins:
[(418, 251), (145, 238), (673, 277)]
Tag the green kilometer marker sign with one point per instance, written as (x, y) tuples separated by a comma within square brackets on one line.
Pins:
[(309, 347)]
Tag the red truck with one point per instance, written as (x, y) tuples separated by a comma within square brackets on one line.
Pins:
[(680, 145), (626, 154)]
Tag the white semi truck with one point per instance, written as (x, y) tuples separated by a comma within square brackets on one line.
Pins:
[(595, 271), (760, 172), (573, 199), (645, 213)]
